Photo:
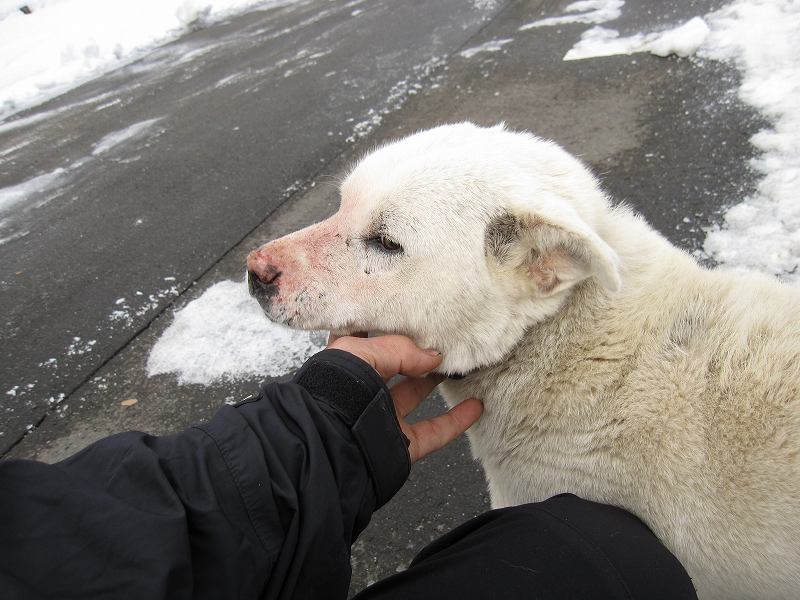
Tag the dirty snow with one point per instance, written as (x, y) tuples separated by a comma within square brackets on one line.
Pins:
[(117, 137), (762, 37), (37, 188), (224, 335), (64, 43), (584, 11), (13, 195), (683, 41), (25, 121), (491, 46)]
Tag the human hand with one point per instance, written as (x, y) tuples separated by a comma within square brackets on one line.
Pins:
[(391, 355)]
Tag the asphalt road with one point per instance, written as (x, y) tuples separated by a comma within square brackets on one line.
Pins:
[(256, 116)]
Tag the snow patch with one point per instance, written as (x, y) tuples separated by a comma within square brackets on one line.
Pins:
[(15, 147), (303, 59), (492, 46), (127, 312), (7, 126), (64, 43), (761, 37), (56, 400), (585, 11), (13, 195), (79, 347), (116, 138), (683, 41), (230, 79), (224, 335)]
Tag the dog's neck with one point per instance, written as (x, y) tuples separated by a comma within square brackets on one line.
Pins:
[(587, 296)]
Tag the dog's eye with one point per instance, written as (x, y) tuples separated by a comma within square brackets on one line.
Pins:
[(390, 245), (386, 244)]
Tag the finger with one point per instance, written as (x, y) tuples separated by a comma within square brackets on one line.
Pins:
[(409, 393), (433, 434), (332, 337), (397, 354)]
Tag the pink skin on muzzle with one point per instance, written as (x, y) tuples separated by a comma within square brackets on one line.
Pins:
[(300, 255), (291, 276), (262, 265)]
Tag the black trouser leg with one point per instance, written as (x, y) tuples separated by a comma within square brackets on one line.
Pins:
[(563, 548)]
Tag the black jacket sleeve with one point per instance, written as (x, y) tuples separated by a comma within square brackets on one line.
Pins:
[(262, 502)]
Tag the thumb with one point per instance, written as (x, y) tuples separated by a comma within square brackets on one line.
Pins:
[(391, 355)]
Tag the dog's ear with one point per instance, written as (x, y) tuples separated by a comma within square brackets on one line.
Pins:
[(555, 253)]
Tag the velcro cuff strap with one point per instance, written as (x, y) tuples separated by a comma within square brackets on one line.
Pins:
[(356, 391), (384, 446)]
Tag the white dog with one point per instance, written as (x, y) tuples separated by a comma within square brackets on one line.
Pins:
[(610, 364)]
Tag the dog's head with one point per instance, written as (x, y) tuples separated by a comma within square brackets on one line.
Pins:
[(460, 237)]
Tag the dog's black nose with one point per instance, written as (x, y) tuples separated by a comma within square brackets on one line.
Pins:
[(262, 288)]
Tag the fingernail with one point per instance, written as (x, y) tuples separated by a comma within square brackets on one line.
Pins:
[(432, 352)]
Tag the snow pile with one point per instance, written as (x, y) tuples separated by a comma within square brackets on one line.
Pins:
[(224, 335), (763, 38), (682, 41), (583, 11), (63, 43)]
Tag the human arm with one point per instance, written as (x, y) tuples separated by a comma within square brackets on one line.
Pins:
[(262, 502)]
